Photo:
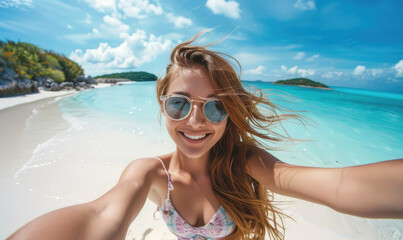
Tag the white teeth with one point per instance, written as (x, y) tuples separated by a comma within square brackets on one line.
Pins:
[(195, 137)]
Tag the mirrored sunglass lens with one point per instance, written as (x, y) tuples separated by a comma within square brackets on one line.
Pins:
[(214, 111), (177, 107)]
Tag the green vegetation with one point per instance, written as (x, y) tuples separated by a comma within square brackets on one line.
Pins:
[(302, 82), (70, 68), (57, 75), (53, 63), (29, 61), (133, 76)]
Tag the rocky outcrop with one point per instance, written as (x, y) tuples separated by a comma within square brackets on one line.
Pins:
[(11, 85), (81, 83), (88, 80)]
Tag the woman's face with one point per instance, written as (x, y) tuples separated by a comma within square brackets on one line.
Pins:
[(195, 135)]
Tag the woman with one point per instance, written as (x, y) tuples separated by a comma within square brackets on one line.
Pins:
[(217, 184)]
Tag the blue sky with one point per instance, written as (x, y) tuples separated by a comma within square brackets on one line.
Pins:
[(350, 43)]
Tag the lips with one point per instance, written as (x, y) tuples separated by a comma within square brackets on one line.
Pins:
[(195, 138)]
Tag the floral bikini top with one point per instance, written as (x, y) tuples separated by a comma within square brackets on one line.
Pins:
[(220, 225)]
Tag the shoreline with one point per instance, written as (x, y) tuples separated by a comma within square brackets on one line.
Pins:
[(11, 101)]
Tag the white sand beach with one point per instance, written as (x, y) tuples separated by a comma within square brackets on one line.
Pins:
[(47, 163)]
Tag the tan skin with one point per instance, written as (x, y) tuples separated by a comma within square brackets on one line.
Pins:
[(363, 190)]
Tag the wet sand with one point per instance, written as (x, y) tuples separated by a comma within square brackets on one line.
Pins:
[(17, 145)]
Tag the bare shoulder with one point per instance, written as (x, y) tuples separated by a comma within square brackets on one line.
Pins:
[(264, 167), (258, 158), (141, 168), (149, 171)]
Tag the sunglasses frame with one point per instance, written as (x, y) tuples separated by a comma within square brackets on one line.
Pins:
[(163, 98)]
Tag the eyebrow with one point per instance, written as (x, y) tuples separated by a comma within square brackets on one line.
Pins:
[(188, 95)]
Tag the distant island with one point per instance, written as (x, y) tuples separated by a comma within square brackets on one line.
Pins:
[(302, 82), (125, 77)]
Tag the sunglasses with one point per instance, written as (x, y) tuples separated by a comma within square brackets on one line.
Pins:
[(179, 107)]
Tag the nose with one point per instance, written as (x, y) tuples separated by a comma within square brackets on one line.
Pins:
[(196, 118)]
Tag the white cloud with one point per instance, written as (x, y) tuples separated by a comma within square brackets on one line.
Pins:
[(69, 26), (299, 56), (359, 70), (228, 8), (371, 73), (399, 68), (283, 68), (302, 55), (300, 71), (376, 72), (111, 28), (292, 70), (305, 5), (315, 56), (179, 21), (15, 3), (306, 72), (152, 48), (103, 6), (137, 8), (116, 24), (131, 8), (332, 74), (136, 50), (257, 71)]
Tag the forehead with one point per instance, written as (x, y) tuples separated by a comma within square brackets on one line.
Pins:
[(193, 82)]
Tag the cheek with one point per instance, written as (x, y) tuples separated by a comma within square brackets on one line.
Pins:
[(168, 123), (170, 126), (220, 129)]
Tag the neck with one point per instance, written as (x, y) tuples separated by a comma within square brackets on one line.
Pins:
[(195, 166)]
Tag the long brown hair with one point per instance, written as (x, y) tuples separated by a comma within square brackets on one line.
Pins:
[(245, 199)]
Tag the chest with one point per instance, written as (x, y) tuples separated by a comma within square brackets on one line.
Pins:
[(193, 200)]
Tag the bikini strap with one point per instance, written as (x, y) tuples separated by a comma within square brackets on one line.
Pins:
[(170, 186)]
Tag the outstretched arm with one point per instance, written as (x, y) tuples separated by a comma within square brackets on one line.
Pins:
[(108, 217), (372, 190)]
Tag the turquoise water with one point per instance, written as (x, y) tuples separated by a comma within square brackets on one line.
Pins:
[(350, 126)]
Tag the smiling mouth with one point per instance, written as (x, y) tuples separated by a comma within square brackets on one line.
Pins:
[(192, 137)]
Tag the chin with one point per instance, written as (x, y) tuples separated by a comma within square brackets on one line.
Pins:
[(193, 153)]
